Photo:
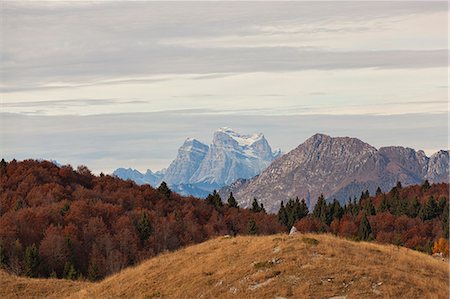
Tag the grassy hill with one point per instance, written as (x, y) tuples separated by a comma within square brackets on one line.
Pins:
[(304, 265)]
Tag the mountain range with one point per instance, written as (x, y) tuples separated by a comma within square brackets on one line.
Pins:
[(198, 168), (340, 168)]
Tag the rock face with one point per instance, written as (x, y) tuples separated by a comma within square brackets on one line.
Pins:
[(190, 156), (232, 156), (338, 168), (198, 168)]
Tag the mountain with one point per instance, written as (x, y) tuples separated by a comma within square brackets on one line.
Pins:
[(151, 178), (190, 156), (198, 168), (277, 266), (340, 168), (232, 156)]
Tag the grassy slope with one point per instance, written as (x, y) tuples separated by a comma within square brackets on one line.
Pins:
[(242, 267)]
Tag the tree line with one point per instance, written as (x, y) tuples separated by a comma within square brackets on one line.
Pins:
[(68, 223), (415, 216)]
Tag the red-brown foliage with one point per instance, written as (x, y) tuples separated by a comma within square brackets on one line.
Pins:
[(91, 222)]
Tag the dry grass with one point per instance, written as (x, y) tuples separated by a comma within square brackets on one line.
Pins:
[(302, 266), (21, 287)]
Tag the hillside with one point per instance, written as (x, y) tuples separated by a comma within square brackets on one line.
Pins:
[(299, 266), (338, 167), (60, 222)]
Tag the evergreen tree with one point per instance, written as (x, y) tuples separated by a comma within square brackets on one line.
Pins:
[(318, 208), (69, 271), (232, 203), (3, 165), (399, 185), (93, 274), (64, 209), (283, 216), (445, 223), (144, 228), (214, 199), (428, 210), (164, 190), (425, 186), (378, 192), (251, 227), (31, 263), (413, 208), (3, 259), (336, 210), (369, 208), (365, 230), (304, 210), (262, 209), (256, 207), (384, 205)]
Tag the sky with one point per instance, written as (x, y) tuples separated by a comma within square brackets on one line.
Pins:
[(112, 84)]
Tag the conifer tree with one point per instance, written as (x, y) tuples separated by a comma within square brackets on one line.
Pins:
[(232, 203), (336, 210), (93, 274), (365, 230), (31, 263), (3, 259), (445, 223), (428, 210), (282, 215), (256, 207), (69, 271), (369, 207), (384, 205), (164, 189), (251, 227), (378, 192), (413, 208), (317, 212), (262, 209), (144, 228), (426, 185), (3, 165), (214, 199)]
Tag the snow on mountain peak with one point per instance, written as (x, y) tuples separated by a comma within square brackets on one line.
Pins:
[(241, 139)]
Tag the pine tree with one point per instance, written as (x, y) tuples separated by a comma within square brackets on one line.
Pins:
[(31, 263), (428, 210), (365, 230), (93, 274), (425, 186), (445, 223), (413, 208), (262, 209), (336, 210), (3, 259), (369, 207), (69, 271), (251, 227), (232, 203), (283, 216), (164, 189), (3, 165), (384, 205), (378, 192), (214, 199), (144, 228), (256, 207), (317, 212)]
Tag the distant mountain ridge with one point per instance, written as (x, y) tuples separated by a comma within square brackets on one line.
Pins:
[(198, 168), (337, 167)]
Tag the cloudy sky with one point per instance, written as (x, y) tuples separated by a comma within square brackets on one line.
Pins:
[(122, 84)]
